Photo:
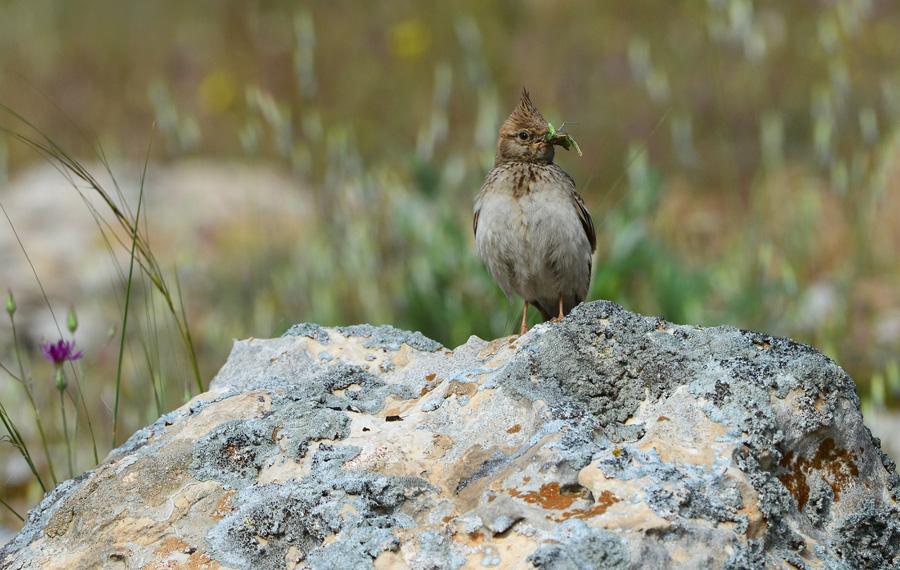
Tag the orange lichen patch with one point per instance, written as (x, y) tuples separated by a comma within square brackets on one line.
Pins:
[(604, 501), (461, 389), (835, 466), (429, 387), (663, 419), (617, 452), (550, 496), (515, 429), (764, 345), (223, 507)]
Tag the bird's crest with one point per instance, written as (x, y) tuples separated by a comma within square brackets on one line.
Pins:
[(526, 114)]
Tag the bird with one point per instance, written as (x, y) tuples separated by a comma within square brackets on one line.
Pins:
[(532, 228)]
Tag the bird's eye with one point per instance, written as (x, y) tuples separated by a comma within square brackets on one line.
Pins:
[(523, 135)]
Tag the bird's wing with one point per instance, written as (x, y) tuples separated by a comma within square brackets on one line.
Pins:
[(586, 221), (479, 197)]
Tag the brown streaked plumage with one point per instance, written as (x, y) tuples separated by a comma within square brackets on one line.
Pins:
[(532, 229)]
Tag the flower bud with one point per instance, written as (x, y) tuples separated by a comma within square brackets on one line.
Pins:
[(61, 381), (72, 319), (10, 303)]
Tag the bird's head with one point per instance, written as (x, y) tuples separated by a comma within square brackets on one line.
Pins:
[(523, 137)]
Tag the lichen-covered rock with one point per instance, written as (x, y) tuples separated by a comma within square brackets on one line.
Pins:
[(609, 440)]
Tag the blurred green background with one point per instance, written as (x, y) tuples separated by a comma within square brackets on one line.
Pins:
[(741, 161)]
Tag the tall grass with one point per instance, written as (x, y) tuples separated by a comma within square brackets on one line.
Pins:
[(139, 255)]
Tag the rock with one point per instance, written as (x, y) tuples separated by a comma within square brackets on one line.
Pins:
[(609, 440)]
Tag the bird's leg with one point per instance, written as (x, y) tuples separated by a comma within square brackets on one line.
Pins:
[(560, 317), (525, 319)]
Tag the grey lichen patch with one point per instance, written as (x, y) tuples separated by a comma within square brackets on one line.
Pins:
[(578, 546), (869, 539), (747, 557), (233, 452), (676, 489), (437, 549), (628, 463), (358, 507), (310, 330), (614, 360), (300, 426), (362, 391), (577, 443), (818, 508), (782, 365), (739, 401), (387, 337), (357, 550)]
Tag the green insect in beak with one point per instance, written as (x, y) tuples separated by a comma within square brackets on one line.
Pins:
[(561, 138)]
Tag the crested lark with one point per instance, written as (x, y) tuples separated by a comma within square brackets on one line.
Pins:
[(531, 227)]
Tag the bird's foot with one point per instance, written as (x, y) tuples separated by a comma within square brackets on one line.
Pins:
[(561, 315), (524, 320)]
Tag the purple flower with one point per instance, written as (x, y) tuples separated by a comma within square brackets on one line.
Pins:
[(60, 351)]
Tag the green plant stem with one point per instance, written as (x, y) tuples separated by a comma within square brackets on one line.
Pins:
[(87, 414), (134, 237), (187, 335), (16, 438), (62, 408), (34, 408), (12, 510)]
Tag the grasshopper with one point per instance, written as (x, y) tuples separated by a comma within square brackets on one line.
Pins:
[(565, 140)]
